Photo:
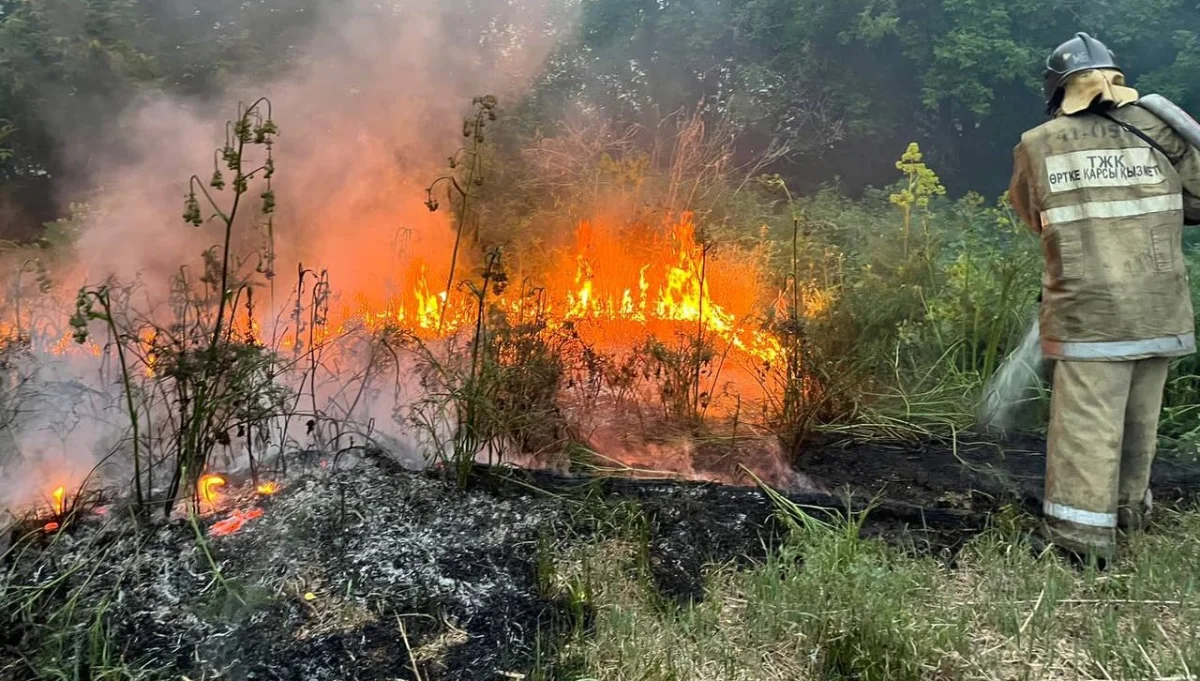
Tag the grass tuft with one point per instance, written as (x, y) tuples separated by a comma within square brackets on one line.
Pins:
[(829, 604)]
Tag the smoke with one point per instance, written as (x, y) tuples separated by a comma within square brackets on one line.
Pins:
[(368, 113), (369, 110), (61, 428)]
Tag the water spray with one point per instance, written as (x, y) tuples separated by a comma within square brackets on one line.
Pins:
[(1016, 384)]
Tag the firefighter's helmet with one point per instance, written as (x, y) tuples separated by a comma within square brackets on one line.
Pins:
[(1081, 53)]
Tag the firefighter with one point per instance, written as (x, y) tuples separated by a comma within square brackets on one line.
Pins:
[(1108, 186)]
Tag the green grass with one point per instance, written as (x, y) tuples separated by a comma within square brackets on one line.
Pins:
[(829, 605)]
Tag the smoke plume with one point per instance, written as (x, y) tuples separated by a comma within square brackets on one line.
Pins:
[(369, 109)]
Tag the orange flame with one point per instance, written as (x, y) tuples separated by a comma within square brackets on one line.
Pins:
[(267, 488), (146, 338), (615, 286), (663, 285), (616, 282), (208, 487)]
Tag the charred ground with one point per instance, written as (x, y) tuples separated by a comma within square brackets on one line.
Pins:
[(365, 569)]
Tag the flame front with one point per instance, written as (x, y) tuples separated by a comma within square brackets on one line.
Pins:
[(267, 488), (660, 283), (621, 283)]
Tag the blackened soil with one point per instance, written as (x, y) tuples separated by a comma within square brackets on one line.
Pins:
[(930, 497), (973, 475), (343, 566), (969, 476), (691, 526)]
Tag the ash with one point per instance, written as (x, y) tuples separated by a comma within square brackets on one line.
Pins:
[(343, 566)]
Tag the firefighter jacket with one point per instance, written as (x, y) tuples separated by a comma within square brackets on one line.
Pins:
[(1110, 209)]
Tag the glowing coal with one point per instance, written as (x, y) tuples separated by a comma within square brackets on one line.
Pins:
[(236, 520)]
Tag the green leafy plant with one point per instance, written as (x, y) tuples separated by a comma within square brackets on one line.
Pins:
[(204, 378)]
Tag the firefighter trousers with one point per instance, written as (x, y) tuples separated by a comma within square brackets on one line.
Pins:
[(1101, 443)]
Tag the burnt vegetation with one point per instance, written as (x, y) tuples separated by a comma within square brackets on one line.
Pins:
[(636, 281)]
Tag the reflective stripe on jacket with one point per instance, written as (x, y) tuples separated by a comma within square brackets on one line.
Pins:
[(1110, 211)]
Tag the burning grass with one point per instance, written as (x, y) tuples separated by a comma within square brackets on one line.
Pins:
[(613, 283), (643, 322), (632, 329)]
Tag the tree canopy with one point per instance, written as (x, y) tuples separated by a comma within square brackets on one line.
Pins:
[(839, 80), (832, 89)]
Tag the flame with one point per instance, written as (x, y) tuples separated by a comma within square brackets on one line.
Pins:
[(234, 522), (267, 488), (208, 487), (678, 287), (614, 285), (620, 285), (59, 506), (146, 339)]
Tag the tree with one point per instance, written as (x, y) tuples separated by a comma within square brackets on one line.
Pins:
[(841, 81), (69, 67)]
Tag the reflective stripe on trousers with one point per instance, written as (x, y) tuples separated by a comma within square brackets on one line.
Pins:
[(1165, 346), (1101, 210), (1079, 516)]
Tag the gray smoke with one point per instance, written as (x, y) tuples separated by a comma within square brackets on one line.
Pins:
[(369, 110)]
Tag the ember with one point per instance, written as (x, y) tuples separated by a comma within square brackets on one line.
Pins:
[(234, 522)]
